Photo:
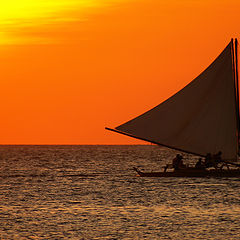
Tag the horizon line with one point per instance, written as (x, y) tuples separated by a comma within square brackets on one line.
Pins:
[(54, 144)]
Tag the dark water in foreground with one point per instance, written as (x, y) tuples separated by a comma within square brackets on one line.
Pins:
[(90, 192)]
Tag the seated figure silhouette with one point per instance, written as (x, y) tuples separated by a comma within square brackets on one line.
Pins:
[(200, 164), (178, 162), (213, 160)]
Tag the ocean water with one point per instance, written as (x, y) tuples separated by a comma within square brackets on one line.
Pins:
[(91, 192)]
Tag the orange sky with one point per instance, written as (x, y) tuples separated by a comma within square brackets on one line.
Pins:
[(70, 68)]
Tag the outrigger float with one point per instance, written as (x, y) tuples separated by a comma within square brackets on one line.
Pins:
[(192, 172), (202, 118)]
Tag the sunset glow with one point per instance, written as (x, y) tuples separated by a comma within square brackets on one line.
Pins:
[(71, 67), (17, 17)]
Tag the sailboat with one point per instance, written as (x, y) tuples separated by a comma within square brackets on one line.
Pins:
[(201, 118)]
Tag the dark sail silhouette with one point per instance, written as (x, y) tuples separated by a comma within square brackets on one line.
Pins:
[(201, 118)]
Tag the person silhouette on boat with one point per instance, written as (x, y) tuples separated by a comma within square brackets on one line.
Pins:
[(213, 160), (177, 162), (218, 157), (199, 164), (208, 161)]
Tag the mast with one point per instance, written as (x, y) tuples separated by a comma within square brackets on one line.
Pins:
[(236, 60), (236, 91), (236, 72), (237, 87)]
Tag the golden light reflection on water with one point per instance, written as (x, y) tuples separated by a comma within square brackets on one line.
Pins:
[(20, 19), (89, 192)]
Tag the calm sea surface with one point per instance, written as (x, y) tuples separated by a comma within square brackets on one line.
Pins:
[(91, 192)]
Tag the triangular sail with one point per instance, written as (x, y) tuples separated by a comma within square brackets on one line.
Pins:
[(200, 119)]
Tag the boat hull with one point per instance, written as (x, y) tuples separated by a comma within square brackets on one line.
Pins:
[(192, 172)]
